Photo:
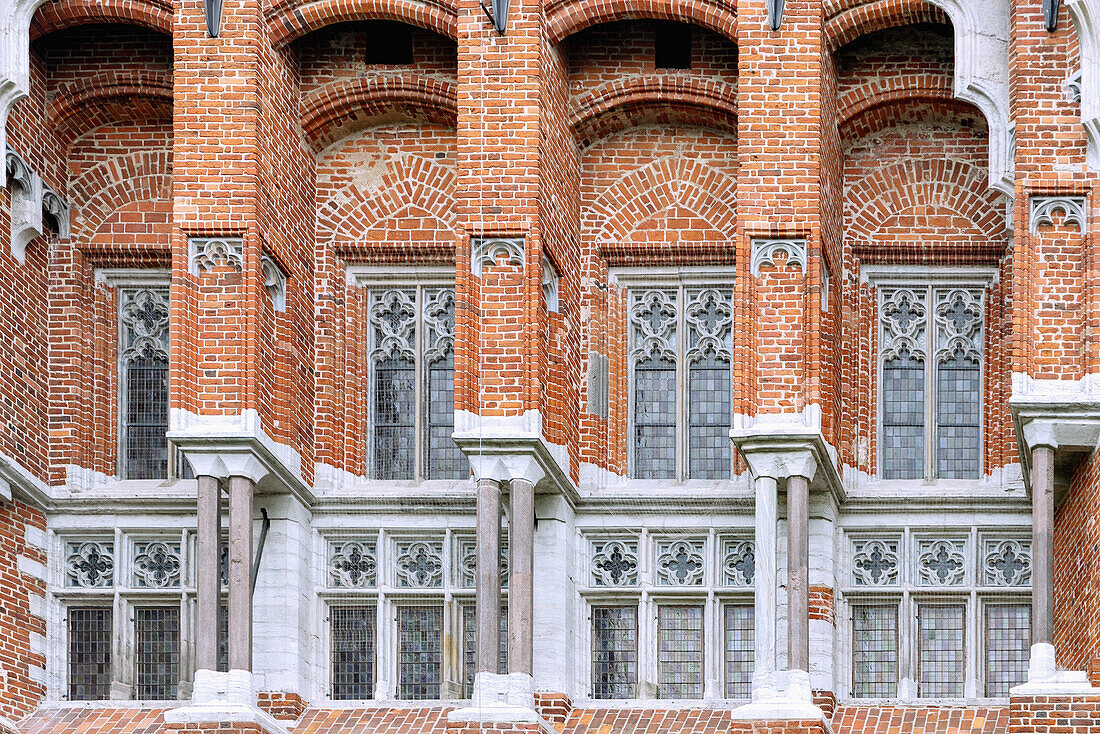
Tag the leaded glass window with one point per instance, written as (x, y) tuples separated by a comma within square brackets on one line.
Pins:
[(679, 652), (156, 652), (931, 345), (90, 653), (740, 649), (143, 377), (352, 638), (875, 650), (614, 652), (411, 346), (681, 355), (420, 652), (469, 647), (1007, 646), (941, 651)]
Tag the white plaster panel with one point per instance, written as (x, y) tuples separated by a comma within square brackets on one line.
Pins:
[(555, 595)]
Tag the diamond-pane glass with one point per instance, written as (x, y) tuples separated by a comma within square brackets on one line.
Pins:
[(958, 424), (1007, 643), (146, 412), (942, 631), (903, 418), (875, 651), (655, 419), (394, 418), (353, 636), (709, 415), (469, 649), (740, 649), (157, 653), (680, 652), (614, 652), (90, 654), (420, 652), (445, 460)]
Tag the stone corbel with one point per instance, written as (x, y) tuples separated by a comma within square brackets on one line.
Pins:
[(32, 202), (1069, 426)]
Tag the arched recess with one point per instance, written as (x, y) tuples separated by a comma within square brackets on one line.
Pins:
[(715, 101), (292, 21), (99, 191), (981, 44), (56, 15), (921, 87), (566, 17), (124, 97)]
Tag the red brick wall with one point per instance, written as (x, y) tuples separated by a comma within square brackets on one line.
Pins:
[(1049, 714), (20, 693), (1077, 572)]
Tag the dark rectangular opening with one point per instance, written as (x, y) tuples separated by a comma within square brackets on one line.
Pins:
[(672, 45), (389, 43)]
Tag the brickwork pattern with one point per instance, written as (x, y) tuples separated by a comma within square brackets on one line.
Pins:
[(23, 591)]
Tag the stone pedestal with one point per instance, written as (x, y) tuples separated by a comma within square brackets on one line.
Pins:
[(500, 703), (226, 699)]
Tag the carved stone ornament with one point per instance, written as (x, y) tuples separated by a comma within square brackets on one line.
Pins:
[(1007, 563), (392, 315), (1072, 87), (157, 565), (352, 565), (274, 282), (764, 252), (942, 562), (680, 563), (549, 286), (615, 563), (739, 562), (206, 253), (903, 315), (420, 564), (653, 316), (144, 316), (489, 250), (1043, 208), (90, 564), (959, 316), (709, 320), (875, 562), (439, 323)]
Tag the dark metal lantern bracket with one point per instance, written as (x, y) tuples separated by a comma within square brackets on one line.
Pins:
[(497, 14)]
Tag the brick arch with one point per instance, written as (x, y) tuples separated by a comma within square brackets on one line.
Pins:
[(891, 112), (849, 23), (290, 21), (566, 17), (114, 97), (100, 191), (664, 185), (414, 190), (340, 108), (57, 15), (891, 91), (715, 101)]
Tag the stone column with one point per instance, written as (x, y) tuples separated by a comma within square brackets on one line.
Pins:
[(521, 577), (765, 608), (798, 561), (1042, 529), (207, 573), (488, 575), (240, 573)]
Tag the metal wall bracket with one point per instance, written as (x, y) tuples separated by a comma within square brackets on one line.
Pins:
[(1050, 14), (775, 14), (497, 13), (213, 17)]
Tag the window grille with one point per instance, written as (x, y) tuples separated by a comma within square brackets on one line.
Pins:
[(469, 649), (89, 653), (942, 632), (615, 652), (681, 336), (1007, 646), (143, 376), (420, 652), (740, 649), (411, 347), (680, 652), (352, 654), (156, 648), (931, 345), (875, 651)]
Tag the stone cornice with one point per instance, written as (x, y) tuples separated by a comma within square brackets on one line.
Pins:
[(1061, 414), (17, 482)]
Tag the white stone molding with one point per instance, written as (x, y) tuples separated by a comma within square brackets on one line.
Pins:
[(1044, 678), (501, 699), (1006, 562), (982, 37), (1086, 19), (781, 445), (274, 281), (941, 562), (1043, 208), (1072, 87), (764, 252), (680, 563), (826, 284), (17, 479), (15, 73), (488, 250), (157, 565), (419, 564), (614, 563), (792, 700), (224, 698), (876, 561), (57, 209), (352, 564), (512, 447), (550, 286), (26, 205), (738, 562), (206, 253), (89, 564)]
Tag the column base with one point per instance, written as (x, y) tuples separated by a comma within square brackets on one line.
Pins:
[(1044, 678), (223, 698), (784, 695), (500, 699)]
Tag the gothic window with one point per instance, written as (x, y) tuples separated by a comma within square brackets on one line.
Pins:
[(681, 355), (143, 378), (740, 649), (931, 343), (352, 652), (410, 339), (156, 653), (89, 653), (614, 652), (875, 651), (679, 651), (420, 652), (941, 650), (1007, 642)]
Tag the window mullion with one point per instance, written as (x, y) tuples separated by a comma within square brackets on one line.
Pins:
[(930, 426), (419, 427), (681, 385)]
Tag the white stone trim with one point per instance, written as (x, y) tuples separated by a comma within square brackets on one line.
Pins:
[(764, 252), (223, 698), (17, 480), (1086, 19), (15, 73), (500, 699), (133, 277), (487, 250), (1044, 678), (205, 253), (274, 282), (511, 447), (365, 276), (1043, 207)]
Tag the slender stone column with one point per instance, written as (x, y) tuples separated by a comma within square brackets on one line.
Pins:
[(763, 677), (798, 562), (488, 575), (240, 573), (207, 573), (1042, 529), (521, 587)]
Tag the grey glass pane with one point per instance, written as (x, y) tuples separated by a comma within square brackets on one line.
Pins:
[(469, 649), (90, 654), (679, 652), (420, 652), (1007, 644), (157, 653), (942, 629), (614, 652), (394, 419), (655, 419), (958, 424), (740, 649), (903, 418), (709, 416), (353, 636), (875, 651), (146, 414), (445, 460)]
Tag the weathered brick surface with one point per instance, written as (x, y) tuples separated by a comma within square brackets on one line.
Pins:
[(22, 599)]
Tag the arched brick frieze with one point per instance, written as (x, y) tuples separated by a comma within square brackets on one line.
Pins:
[(714, 101), (851, 23), (891, 91), (56, 15), (113, 97), (289, 21), (566, 17)]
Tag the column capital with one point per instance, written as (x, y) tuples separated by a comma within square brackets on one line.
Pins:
[(1041, 433), (788, 447), (508, 448)]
